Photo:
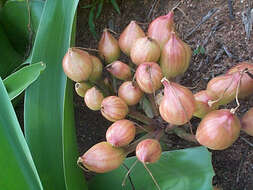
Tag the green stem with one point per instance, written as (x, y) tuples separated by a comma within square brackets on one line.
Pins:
[(153, 104), (140, 117), (180, 132)]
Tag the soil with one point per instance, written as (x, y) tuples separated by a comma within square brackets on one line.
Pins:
[(233, 166)]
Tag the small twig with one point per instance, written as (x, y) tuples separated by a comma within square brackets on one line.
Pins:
[(219, 54), (128, 175), (88, 49), (245, 140), (152, 8), (203, 20), (215, 28), (230, 55), (241, 164), (230, 7)]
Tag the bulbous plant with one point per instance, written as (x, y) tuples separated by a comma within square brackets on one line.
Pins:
[(108, 47), (178, 104), (77, 65), (148, 151), (159, 110), (102, 157), (148, 76), (145, 50), (121, 133), (129, 36), (246, 86), (93, 98), (97, 69), (247, 122), (130, 92), (114, 108), (224, 87), (82, 87), (218, 130), (119, 70), (175, 57), (160, 29), (202, 107)]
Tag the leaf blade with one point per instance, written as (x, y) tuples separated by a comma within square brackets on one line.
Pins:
[(17, 163), (188, 169), (17, 82)]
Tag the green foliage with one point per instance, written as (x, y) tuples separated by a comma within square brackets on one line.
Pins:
[(187, 169), (199, 50), (17, 82), (18, 24), (15, 35), (11, 58), (96, 7), (17, 167), (49, 116)]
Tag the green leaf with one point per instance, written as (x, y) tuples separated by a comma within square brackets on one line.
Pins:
[(146, 107), (187, 169), (115, 5), (44, 100), (91, 22), (17, 82), (100, 8), (17, 167), (74, 178), (15, 19), (10, 58)]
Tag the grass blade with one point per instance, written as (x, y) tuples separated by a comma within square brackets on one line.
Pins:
[(91, 23), (100, 8), (115, 5), (17, 82), (17, 167), (44, 101)]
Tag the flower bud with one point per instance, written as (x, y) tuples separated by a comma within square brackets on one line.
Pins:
[(218, 130), (246, 86), (119, 70), (223, 87), (77, 65), (82, 87), (148, 76), (178, 103), (114, 108), (121, 133), (160, 29), (130, 93), (102, 157), (97, 69), (202, 107), (148, 151), (247, 122), (93, 98), (175, 57), (130, 34), (145, 50), (108, 47)]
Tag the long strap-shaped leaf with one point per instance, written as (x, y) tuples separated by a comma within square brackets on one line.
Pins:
[(17, 82), (44, 103), (17, 167)]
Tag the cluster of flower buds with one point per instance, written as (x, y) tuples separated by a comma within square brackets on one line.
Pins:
[(155, 59)]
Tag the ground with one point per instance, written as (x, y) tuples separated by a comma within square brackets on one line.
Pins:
[(233, 166)]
